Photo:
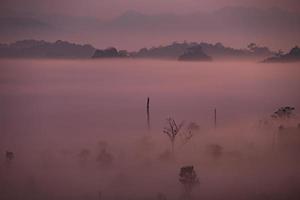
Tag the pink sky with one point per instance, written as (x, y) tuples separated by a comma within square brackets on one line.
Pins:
[(276, 34), (110, 8)]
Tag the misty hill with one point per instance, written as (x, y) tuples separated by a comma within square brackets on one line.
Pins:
[(43, 49), (194, 53), (292, 56), (20, 24), (110, 53), (237, 17), (217, 51), (232, 25)]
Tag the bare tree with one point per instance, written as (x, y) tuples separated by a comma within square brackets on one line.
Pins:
[(172, 131)]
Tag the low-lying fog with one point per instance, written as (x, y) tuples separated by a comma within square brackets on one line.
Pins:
[(78, 130)]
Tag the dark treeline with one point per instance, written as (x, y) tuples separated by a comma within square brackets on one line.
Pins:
[(176, 51), (292, 56), (64, 49), (43, 49)]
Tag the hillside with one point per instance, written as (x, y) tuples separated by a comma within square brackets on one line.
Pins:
[(43, 49)]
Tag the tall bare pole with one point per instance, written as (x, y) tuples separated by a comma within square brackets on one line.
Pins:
[(215, 118), (148, 113)]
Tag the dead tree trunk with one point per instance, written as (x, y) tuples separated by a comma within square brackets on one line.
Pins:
[(215, 118), (172, 130), (148, 113)]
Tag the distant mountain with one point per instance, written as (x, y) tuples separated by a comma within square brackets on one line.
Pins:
[(238, 18), (217, 51), (248, 18), (231, 25), (194, 53), (43, 49), (292, 56), (41, 22), (21, 22), (138, 21)]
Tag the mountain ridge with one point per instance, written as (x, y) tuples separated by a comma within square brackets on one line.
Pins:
[(275, 27)]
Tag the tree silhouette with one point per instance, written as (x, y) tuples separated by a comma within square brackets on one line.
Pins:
[(172, 131), (9, 156), (283, 113), (189, 180)]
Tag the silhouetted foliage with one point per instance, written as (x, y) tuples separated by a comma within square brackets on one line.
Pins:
[(43, 49), (9, 156), (188, 178), (283, 113), (194, 53), (292, 56), (110, 53), (218, 51)]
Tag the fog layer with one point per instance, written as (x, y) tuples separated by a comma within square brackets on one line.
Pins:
[(78, 129)]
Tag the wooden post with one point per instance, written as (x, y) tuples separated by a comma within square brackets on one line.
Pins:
[(148, 113), (215, 118)]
